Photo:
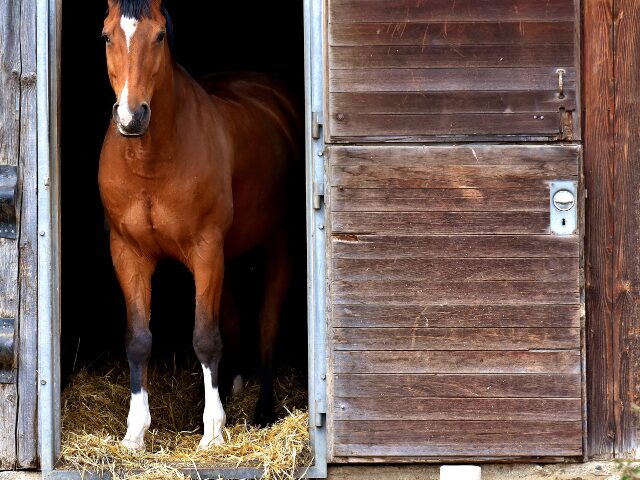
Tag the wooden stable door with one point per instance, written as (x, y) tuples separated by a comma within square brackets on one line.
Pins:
[(455, 280)]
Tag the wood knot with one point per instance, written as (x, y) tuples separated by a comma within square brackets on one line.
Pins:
[(340, 117), (29, 79)]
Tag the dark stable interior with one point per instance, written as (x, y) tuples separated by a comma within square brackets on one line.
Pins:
[(208, 37)]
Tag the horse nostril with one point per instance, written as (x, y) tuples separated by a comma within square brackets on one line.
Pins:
[(114, 111), (143, 112)]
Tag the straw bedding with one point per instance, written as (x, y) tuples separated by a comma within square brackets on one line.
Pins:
[(95, 408)]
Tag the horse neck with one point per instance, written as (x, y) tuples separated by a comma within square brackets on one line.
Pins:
[(151, 154)]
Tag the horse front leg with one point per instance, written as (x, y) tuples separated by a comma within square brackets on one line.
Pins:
[(134, 272), (208, 270)]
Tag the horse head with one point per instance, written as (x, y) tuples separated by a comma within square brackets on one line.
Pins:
[(136, 34)]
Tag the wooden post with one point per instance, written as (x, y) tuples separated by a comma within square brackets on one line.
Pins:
[(18, 400), (626, 225), (598, 166)]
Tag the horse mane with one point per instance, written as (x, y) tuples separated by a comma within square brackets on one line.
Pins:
[(135, 8), (139, 9)]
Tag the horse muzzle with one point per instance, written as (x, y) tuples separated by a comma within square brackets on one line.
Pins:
[(132, 124)]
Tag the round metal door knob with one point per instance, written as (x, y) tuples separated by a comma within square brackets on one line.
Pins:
[(564, 200)]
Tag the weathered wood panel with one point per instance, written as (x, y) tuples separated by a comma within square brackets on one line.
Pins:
[(447, 362), (408, 223), (459, 269), (457, 386), (453, 33), (10, 103), (450, 62), (370, 175), (463, 438), (426, 103), (457, 316), (440, 56), (421, 338), (626, 239), (27, 424), (599, 158), (453, 246), (404, 11), (470, 409), (445, 277), (439, 199), (459, 155), (389, 292), (448, 79), (419, 126)]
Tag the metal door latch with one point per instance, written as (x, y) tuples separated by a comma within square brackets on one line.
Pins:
[(563, 207), (561, 73), (7, 350), (8, 192)]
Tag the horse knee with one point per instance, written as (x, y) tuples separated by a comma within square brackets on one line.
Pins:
[(139, 346), (207, 345)]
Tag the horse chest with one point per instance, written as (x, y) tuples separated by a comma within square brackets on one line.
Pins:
[(151, 219)]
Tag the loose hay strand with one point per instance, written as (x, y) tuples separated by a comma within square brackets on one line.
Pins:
[(95, 408)]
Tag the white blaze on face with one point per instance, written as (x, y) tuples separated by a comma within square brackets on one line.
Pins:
[(138, 420), (129, 26), (213, 417)]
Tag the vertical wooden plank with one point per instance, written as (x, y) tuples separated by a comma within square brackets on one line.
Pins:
[(626, 320), (10, 73), (27, 426), (598, 166)]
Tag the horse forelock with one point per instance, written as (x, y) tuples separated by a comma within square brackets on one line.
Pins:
[(139, 9)]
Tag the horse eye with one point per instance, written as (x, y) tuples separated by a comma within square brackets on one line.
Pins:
[(106, 38), (160, 37)]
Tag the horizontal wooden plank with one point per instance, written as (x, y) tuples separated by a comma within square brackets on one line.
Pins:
[(456, 316), (462, 155), (456, 176), (421, 409), (399, 246), (453, 33), (450, 56), (450, 79), (407, 103), (449, 362), (410, 223), (451, 438), (457, 269), (404, 11), (374, 125), (457, 386), (439, 199), (430, 338), (443, 293)]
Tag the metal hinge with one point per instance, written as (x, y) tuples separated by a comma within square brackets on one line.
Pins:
[(321, 413), (7, 350), (317, 122), (318, 195), (8, 194)]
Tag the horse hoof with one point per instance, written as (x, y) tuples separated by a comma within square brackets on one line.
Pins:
[(264, 417), (206, 443), (238, 386), (136, 445)]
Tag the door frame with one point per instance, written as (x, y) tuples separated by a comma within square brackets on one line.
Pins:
[(48, 29)]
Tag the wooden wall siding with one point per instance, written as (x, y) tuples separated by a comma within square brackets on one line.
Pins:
[(438, 70), (612, 163), (626, 240), (455, 325), (18, 401)]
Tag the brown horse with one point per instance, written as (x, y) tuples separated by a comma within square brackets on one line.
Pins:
[(195, 174)]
